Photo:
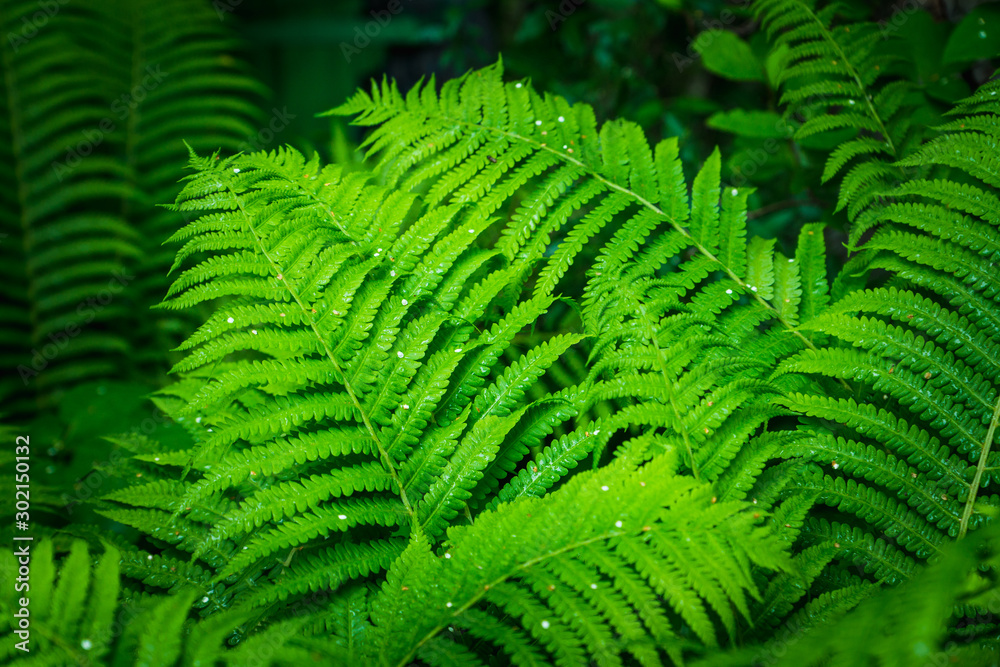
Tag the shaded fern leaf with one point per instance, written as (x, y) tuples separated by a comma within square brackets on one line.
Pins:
[(96, 107), (901, 626), (833, 77), (345, 390)]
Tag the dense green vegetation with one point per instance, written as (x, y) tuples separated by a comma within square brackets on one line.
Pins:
[(522, 377)]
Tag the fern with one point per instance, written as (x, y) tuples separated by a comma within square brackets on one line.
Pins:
[(375, 447), (925, 345), (610, 175), (600, 568), (347, 393), (69, 618), (912, 454), (687, 317), (84, 615), (833, 75), (403, 371), (47, 278), (95, 107)]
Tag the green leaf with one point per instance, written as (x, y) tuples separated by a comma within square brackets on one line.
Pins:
[(725, 54), (977, 37)]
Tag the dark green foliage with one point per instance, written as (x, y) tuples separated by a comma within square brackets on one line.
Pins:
[(915, 456), (97, 100), (833, 74), (903, 626)]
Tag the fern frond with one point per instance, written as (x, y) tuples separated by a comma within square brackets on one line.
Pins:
[(925, 343), (350, 371), (597, 551)]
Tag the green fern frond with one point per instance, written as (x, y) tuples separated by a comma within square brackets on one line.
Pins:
[(924, 344), (350, 371), (96, 106), (832, 74), (598, 551)]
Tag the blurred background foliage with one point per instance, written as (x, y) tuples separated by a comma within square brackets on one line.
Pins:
[(254, 74)]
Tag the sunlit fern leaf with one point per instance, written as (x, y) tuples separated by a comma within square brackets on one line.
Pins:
[(577, 180), (348, 380), (602, 568)]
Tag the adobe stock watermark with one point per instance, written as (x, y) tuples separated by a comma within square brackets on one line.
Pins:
[(223, 7), (755, 158), (712, 29), (279, 121), (121, 108), (270, 645), (31, 25), (901, 13), (127, 612), (950, 652), (363, 37), (87, 310), (88, 485), (566, 9)]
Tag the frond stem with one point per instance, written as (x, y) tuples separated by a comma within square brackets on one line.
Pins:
[(386, 459), (502, 578), (980, 468)]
